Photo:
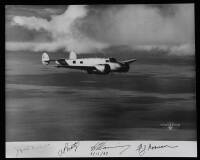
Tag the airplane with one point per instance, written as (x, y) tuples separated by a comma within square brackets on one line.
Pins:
[(90, 65)]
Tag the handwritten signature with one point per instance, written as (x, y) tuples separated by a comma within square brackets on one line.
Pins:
[(143, 148), (22, 149), (68, 147), (102, 146)]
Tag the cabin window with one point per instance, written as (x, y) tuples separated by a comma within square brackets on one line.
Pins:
[(74, 62), (81, 62), (107, 60)]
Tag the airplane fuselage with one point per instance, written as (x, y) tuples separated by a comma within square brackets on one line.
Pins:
[(99, 63)]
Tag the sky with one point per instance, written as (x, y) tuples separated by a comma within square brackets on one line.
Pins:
[(94, 28)]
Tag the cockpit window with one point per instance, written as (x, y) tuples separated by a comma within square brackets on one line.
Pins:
[(112, 59), (107, 60)]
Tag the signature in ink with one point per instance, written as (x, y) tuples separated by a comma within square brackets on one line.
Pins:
[(143, 148), (68, 147), (102, 145), (21, 150)]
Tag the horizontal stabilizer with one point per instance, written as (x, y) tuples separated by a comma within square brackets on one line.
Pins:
[(129, 61)]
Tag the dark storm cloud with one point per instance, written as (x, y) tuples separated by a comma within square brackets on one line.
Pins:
[(44, 11), (168, 27), (22, 34), (165, 9), (126, 24)]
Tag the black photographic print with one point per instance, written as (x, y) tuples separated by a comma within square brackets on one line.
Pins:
[(100, 80)]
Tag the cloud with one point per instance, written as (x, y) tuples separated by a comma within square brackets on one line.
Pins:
[(53, 46), (141, 25), (90, 28), (62, 29), (179, 50)]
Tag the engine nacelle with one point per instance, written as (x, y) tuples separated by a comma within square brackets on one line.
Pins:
[(100, 69)]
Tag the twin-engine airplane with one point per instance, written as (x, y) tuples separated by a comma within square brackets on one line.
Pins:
[(91, 65)]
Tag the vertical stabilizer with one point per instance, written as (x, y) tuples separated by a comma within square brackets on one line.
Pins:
[(45, 58), (72, 55)]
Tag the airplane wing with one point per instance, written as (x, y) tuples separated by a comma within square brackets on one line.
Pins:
[(76, 67), (129, 61)]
